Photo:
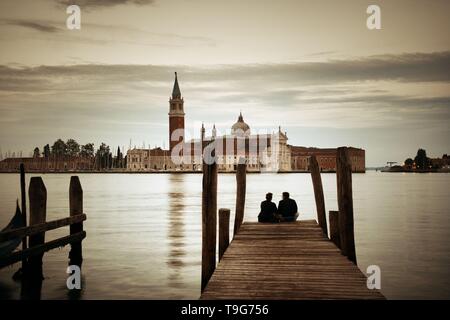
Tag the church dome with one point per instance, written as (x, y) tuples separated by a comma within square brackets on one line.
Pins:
[(240, 127)]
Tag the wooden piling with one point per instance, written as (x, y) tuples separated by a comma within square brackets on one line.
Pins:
[(76, 208), (240, 194), (38, 209), (224, 231), (345, 202), (318, 194), (209, 221), (23, 199), (334, 228)]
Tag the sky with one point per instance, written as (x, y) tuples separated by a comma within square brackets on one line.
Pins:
[(311, 67)]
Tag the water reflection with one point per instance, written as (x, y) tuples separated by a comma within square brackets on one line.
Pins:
[(144, 242), (176, 230), (31, 288)]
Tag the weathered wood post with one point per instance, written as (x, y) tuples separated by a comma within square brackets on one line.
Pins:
[(38, 210), (318, 193), (209, 221), (76, 208), (224, 231), (345, 202), (334, 228), (241, 181), (23, 197)]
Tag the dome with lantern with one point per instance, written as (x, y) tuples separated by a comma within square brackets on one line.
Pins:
[(240, 128)]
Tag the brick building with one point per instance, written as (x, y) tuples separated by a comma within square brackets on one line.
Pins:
[(48, 164), (326, 158)]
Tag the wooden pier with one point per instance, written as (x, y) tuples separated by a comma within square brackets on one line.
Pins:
[(286, 261), (283, 260)]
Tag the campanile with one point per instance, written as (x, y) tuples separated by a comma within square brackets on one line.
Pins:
[(176, 116)]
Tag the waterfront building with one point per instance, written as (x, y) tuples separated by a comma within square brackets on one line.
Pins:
[(262, 152), (48, 164)]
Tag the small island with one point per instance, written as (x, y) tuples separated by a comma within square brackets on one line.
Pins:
[(421, 163)]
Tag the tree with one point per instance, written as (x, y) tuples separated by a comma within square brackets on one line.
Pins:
[(59, 148), (110, 161), (102, 156), (119, 159), (73, 148), (409, 163), (36, 153), (87, 150), (421, 159), (46, 152)]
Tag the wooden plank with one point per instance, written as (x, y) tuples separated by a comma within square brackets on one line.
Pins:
[(23, 199), (41, 227), (76, 209), (209, 221), (40, 249), (318, 193), (37, 194), (286, 261), (241, 181), (334, 228), (224, 231), (345, 203)]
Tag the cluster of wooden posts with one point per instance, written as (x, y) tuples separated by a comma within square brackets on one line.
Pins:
[(209, 217), (33, 235), (341, 222)]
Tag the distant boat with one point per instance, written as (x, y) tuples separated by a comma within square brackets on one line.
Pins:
[(393, 169), (8, 246)]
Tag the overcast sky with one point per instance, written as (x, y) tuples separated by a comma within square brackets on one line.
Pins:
[(311, 67)]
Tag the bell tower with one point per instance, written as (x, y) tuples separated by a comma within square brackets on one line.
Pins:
[(176, 116)]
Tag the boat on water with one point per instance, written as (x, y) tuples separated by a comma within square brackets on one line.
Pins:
[(393, 169), (8, 246)]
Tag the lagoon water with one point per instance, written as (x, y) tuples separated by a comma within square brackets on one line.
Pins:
[(144, 231)]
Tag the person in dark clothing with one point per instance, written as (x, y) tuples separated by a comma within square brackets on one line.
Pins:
[(268, 210), (287, 209)]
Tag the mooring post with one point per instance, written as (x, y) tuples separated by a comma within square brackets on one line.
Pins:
[(241, 181), (334, 228), (209, 222), (224, 231), (76, 208), (318, 193), (38, 210), (23, 197), (345, 203)]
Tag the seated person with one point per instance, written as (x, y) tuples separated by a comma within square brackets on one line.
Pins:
[(268, 210), (287, 209)]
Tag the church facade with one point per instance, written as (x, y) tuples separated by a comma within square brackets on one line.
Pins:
[(262, 152)]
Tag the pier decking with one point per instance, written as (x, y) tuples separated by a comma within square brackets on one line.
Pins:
[(286, 261)]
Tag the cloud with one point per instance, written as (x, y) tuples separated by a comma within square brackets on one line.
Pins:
[(339, 93), (411, 67), (40, 26), (102, 3), (101, 34), (255, 79), (404, 95)]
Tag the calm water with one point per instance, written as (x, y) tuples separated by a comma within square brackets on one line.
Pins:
[(144, 231)]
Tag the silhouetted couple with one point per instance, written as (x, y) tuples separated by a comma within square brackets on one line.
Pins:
[(287, 209)]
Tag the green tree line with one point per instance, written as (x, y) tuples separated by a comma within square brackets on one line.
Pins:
[(102, 157)]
